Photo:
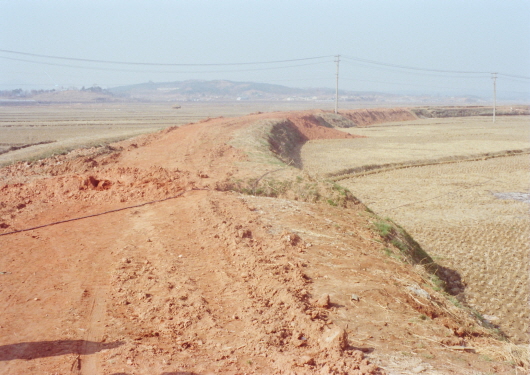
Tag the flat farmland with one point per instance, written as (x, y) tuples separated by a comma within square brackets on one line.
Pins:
[(69, 126), (414, 141), (472, 216)]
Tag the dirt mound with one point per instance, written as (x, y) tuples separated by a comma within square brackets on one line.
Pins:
[(365, 117), (137, 263), (334, 120), (287, 137), (311, 128)]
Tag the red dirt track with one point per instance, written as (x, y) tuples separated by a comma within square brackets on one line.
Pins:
[(140, 265)]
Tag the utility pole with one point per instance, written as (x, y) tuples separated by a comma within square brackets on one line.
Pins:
[(337, 86), (494, 77)]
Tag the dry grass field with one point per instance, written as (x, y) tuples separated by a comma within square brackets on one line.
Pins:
[(411, 141), (71, 126), (82, 125), (453, 210)]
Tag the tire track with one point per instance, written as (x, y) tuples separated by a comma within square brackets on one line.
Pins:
[(88, 354)]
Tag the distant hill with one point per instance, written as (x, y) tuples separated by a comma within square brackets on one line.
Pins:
[(199, 90), (218, 91), (200, 87)]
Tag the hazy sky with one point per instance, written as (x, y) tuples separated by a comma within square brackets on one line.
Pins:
[(452, 35)]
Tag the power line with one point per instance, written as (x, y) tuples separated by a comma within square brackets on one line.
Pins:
[(337, 86), (350, 58), (416, 72), (412, 67), (494, 77), (159, 71), (513, 76), (158, 64), (403, 84)]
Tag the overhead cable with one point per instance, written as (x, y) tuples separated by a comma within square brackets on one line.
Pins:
[(412, 67), (421, 73), (159, 71), (404, 84), (513, 76), (158, 64)]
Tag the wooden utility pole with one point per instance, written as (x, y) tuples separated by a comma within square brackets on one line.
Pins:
[(494, 77), (337, 86)]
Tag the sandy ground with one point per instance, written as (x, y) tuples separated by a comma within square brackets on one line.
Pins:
[(139, 264)]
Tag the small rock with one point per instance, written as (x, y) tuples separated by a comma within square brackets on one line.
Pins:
[(490, 318), (306, 360), (418, 369), (244, 233), (355, 297), (36, 299), (323, 301), (419, 292), (299, 343), (357, 355), (335, 338), (292, 238)]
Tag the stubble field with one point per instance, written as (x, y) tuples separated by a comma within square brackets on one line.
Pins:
[(426, 140), (65, 127), (471, 215)]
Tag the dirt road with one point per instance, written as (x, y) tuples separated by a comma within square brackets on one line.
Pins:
[(167, 272)]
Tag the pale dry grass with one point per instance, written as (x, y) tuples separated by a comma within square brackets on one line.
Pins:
[(518, 355), (452, 212), (413, 141)]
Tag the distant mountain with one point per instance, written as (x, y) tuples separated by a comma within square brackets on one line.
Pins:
[(195, 90), (221, 90)]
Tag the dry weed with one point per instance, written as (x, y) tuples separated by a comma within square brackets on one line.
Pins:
[(517, 355)]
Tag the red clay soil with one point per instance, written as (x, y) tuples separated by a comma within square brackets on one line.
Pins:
[(365, 117), (311, 129), (203, 281)]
